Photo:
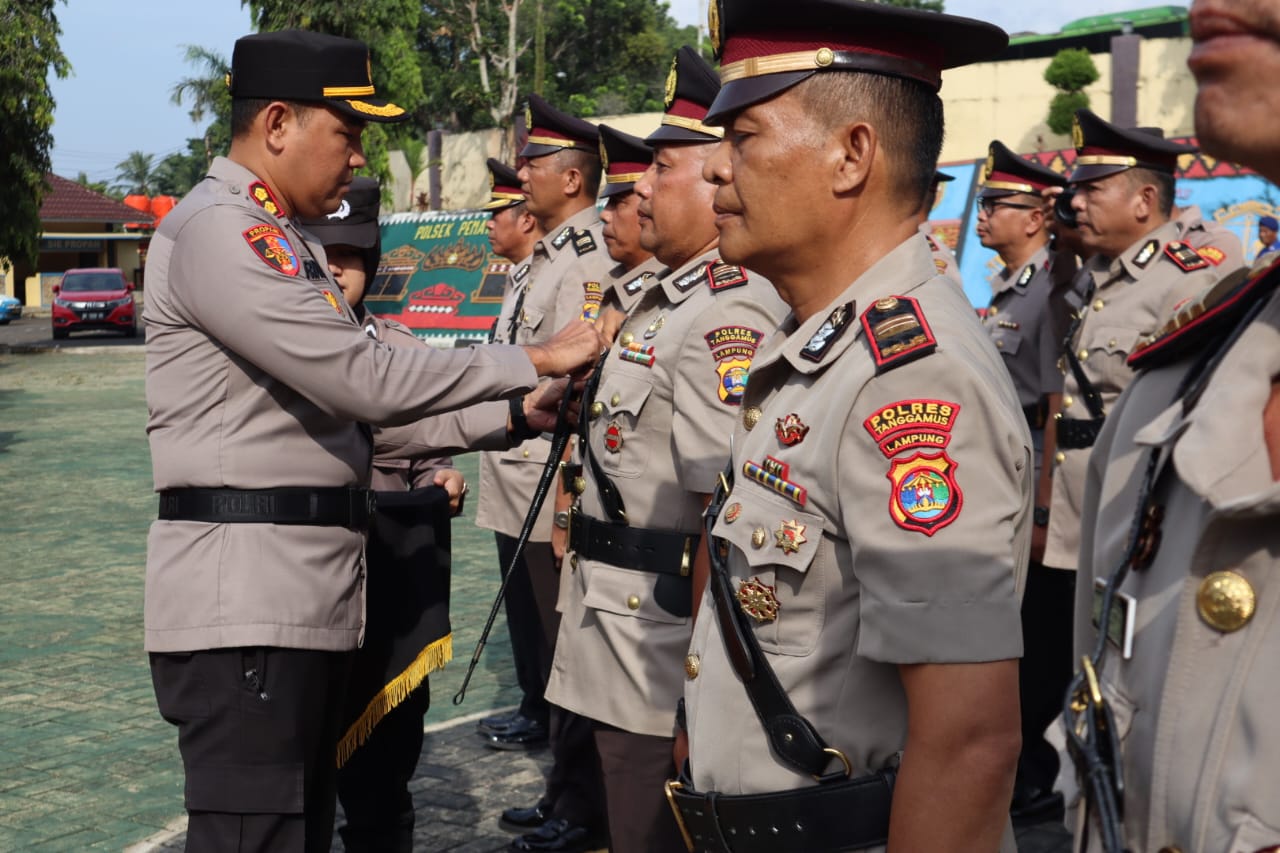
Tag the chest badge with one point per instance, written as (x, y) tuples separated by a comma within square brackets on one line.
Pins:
[(654, 327), (758, 600), (751, 417), (773, 475), (1226, 601), (791, 430), (789, 536), (925, 497), (732, 513), (635, 353), (613, 438)]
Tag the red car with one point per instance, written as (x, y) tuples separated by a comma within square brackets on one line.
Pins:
[(94, 299)]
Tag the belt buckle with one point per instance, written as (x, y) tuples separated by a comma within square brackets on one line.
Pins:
[(673, 785)]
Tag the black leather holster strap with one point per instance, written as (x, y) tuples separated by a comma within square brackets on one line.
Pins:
[(847, 815), (336, 507), (1077, 434), (1036, 414), (662, 552)]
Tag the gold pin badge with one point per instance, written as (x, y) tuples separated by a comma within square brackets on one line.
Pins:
[(886, 304), (615, 399), (597, 409), (758, 600), (691, 666), (759, 536), (751, 417), (626, 338), (732, 512), (789, 536), (1226, 601)]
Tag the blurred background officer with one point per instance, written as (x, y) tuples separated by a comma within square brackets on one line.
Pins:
[(1188, 670), (258, 384), (1023, 323), (560, 176), (653, 441), (513, 230), (1124, 188), (1267, 235), (407, 588), (856, 558), (943, 258)]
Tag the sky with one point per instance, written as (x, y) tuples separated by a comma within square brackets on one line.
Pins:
[(126, 58)]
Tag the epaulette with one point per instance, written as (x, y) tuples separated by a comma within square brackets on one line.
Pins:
[(722, 276), (1027, 274), (1212, 254), (1186, 258), (897, 332), (261, 195), (583, 242), (1204, 318), (565, 235)]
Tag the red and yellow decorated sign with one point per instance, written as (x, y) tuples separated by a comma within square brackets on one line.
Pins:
[(924, 496), (270, 244)]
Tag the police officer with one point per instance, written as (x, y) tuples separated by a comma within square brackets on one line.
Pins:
[(1025, 323), (625, 158), (943, 258), (654, 439), (1187, 664), (1124, 183), (559, 178), (258, 379), (870, 550)]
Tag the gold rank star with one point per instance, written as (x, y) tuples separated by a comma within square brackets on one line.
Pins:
[(790, 536)]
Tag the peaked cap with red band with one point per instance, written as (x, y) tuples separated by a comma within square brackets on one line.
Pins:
[(765, 48), (691, 87), (551, 130), (625, 159), (1006, 174), (1102, 149), (504, 186)]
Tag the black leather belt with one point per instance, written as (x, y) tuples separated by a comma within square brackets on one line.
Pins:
[(1078, 433), (848, 815), (1036, 413), (662, 552), (336, 507)]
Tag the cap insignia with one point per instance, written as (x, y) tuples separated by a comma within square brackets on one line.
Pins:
[(604, 156), (713, 26), (988, 167), (343, 211), (528, 118), (1077, 133), (670, 95)]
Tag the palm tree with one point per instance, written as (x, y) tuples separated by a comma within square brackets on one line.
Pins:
[(136, 173), (208, 95)]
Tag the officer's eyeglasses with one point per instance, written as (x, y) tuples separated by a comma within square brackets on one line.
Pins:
[(989, 205)]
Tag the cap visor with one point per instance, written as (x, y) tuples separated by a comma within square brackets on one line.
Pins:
[(500, 204), (611, 190), (992, 192), (1084, 174), (368, 109), (537, 149), (739, 94), (671, 133)]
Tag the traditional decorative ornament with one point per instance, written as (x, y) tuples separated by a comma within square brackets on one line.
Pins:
[(758, 600), (791, 430)]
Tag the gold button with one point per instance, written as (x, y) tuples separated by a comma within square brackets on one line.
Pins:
[(579, 485), (1059, 457), (886, 304), (597, 409), (573, 562), (1098, 304), (758, 537), (1111, 342), (824, 57), (615, 399), (691, 666), (526, 454), (1068, 400), (1057, 416), (999, 344), (633, 602), (751, 416), (993, 311), (1226, 601), (626, 339), (1084, 355)]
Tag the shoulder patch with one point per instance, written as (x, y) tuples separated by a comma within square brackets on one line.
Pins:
[(1187, 258), (1198, 320), (332, 300), (592, 296), (722, 276), (1212, 254), (690, 279), (269, 243), (583, 242), (1027, 274), (565, 235), (732, 348), (520, 273), (940, 265), (897, 332), (261, 194), (1146, 253), (829, 332)]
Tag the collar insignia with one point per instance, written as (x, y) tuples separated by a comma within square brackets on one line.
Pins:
[(828, 333), (1146, 253)]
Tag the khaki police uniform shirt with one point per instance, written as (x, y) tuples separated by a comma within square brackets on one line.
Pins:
[(1132, 296), (909, 546), (625, 286), (1021, 321), (257, 376), (1195, 705), (564, 283), (660, 431)]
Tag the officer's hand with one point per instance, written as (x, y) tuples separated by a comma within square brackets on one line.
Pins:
[(571, 350), (453, 483), (542, 404), (608, 324)]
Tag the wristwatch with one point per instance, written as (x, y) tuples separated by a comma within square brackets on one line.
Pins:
[(1041, 516), (561, 520)]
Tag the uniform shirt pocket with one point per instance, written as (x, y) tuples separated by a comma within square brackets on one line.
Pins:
[(1007, 341), (1112, 340), (530, 320), (1252, 835), (534, 451), (625, 451), (624, 592), (783, 549)]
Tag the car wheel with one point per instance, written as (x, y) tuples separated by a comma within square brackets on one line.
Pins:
[(132, 331), (59, 334)]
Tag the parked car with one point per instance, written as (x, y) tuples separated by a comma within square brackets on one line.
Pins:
[(94, 299), (10, 309)]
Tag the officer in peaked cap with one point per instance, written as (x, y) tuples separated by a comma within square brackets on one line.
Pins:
[(852, 555), (655, 437), (625, 158), (504, 186), (1124, 181), (568, 268), (943, 258), (255, 589), (1024, 323)]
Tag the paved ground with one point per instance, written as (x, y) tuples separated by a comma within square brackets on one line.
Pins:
[(85, 761)]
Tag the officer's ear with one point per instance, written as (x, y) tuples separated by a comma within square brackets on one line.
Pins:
[(274, 121), (571, 180), (859, 146)]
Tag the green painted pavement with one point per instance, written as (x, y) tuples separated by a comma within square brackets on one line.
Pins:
[(86, 763)]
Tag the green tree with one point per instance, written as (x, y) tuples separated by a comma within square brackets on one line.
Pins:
[(136, 173), (99, 187), (1071, 70), (29, 53), (208, 96), (177, 173)]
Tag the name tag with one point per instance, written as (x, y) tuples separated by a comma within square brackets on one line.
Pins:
[(1124, 610)]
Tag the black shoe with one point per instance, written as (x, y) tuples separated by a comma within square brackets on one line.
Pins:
[(556, 836), (524, 734), (497, 723), (1036, 805), (526, 819)]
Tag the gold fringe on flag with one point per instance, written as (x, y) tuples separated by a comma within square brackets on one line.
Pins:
[(430, 659)]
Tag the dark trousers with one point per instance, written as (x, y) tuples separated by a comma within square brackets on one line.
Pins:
[(635, 769), (257, 730), (1044, 672), (530, 595), (373, 785)]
